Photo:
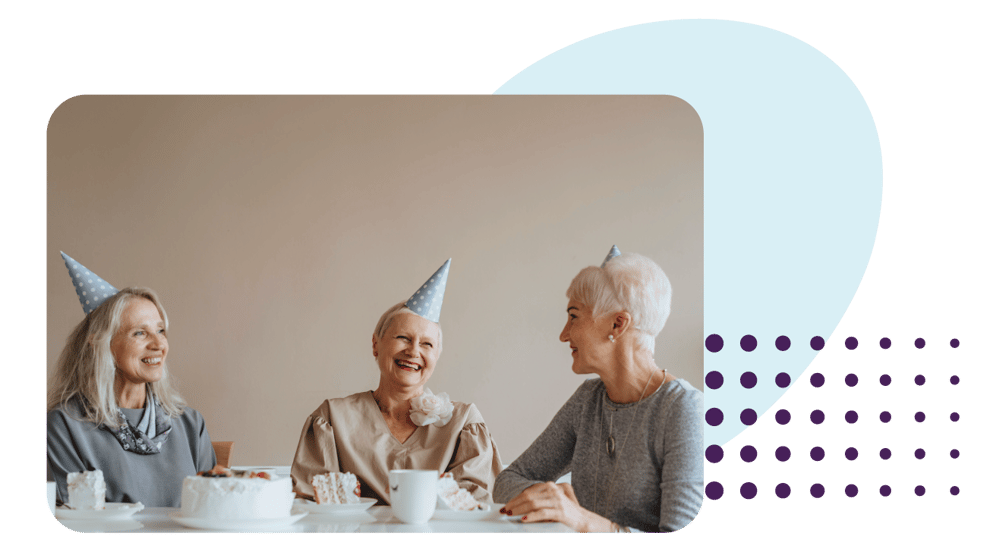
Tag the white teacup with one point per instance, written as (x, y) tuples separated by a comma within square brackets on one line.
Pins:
[(51, 496), (413, 494)]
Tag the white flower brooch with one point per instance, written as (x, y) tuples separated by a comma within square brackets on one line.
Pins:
[(429, 408)]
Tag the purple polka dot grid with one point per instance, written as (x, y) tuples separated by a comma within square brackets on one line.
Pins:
[(714, 343), (856, 429)]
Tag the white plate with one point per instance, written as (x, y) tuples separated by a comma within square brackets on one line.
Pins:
[(337, 509), (111, 511), (478, 514), (246, 525)]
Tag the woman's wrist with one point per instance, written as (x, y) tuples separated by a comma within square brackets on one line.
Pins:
[(596, 523)]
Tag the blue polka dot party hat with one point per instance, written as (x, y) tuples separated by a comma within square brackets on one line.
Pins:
[(426, 302), (91, 289), (614, 251)]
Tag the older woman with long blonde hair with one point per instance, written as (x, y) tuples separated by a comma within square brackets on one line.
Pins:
[(111, 406), (633, 439)]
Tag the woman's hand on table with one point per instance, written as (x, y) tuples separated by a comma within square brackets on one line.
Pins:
[(551, 502)]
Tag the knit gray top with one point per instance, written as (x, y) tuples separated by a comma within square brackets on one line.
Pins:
[(75, 445), (654, 479)]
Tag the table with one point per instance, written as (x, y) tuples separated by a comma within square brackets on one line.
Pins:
[(377, 519)]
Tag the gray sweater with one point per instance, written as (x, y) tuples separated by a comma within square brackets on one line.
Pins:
[(155, 480), (658, 468)]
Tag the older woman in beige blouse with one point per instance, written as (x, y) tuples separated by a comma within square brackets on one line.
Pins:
[(373, 432)]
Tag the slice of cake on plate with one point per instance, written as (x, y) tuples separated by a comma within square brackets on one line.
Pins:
[(87, 490), (454, 497), (336, 488)]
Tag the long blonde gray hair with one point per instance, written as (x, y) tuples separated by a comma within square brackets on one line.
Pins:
[(86, 369)]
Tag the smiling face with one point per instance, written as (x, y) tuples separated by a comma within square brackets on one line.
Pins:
[(408, 351), (139, 346), (586, 337)]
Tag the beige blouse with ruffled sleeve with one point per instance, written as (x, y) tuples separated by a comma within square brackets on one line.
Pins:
[(350, 435)]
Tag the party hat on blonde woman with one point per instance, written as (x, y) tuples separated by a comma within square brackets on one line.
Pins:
[(614, 251), (426, 302), (91, 289)]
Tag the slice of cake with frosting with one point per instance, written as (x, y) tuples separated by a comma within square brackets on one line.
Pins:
[(454, 497), (87, 490), (335, 488)]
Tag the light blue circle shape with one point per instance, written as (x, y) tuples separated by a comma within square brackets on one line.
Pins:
[(792, 182)]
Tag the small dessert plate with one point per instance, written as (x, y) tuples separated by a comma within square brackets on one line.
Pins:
[(336, 509), (477, 514), (111, 511)]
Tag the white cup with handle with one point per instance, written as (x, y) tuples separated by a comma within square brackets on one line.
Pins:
[(413, 494)]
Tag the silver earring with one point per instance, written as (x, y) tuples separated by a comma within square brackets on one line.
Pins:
[(611, 338)]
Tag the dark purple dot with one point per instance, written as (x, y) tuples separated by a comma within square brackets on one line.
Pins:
[(885, 416), (885, 454), (783, 491), (919, 380), (954, 453), (783, 416), (851, 343), (851, 453), (851, 417), (715, 416), (885, 379), (783, 454), (817, 454), (749, 453), (955, 417), (817, 491), (852, 380), (919, 417), (715, 453), (955, 380), (748, 343), (817, 417), (817, 379), (748, 380), (748, 417), (817, 343), (919, 343), (714, 490), (919, 490), (782, 343), (954, 490), (851, 490), (954, 343), (919, 454), (783, 379), (885, 491), (714, 343), (748, 490), (714, 380), (885, 342)]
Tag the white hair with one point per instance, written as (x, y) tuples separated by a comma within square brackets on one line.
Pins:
[(387, 318), (629, 282), (86, 369)]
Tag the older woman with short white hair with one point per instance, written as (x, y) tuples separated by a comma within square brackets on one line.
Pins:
[(111, 406), (401, 424), (633, 439)]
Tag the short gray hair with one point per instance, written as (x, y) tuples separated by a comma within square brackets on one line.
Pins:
[(629, 282), (387, 318), (86, 367)]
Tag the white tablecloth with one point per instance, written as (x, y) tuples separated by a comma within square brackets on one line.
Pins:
[(376, 519)]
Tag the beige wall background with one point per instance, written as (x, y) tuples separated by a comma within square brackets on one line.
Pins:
[(277, 230)]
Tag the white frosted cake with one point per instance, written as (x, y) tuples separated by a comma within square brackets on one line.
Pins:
[(223, 494), (87, 490), (335, 488), (454, 497)]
